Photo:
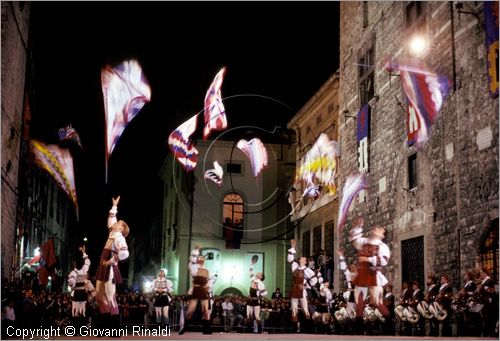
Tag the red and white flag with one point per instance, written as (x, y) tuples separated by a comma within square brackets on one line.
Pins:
[(214, 111)]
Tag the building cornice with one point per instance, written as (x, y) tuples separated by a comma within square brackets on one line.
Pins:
[(313, 100)]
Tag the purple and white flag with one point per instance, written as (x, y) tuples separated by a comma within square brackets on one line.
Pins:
[(353, 185), (125, 90), (181, 145), (69, 133)]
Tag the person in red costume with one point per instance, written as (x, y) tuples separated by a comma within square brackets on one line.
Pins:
[(373, 254), (108, 273)]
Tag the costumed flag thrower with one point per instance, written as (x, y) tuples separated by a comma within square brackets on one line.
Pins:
[(353, 185), (181, 145), (256, 153), (214, 111), (59, 163), (125, 90)]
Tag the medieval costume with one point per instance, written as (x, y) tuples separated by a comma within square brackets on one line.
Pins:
[(108, 273), (373, 255), (162, 287), (76, 281), (256, 292), (303, 278), (200, 290)]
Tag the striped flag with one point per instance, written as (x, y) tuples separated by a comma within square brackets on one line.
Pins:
[(59, 163), (256, 153), (215, 174), (69, 133), (426, 92), (125, 91), (181, 145), (353, 185), (214, 111)]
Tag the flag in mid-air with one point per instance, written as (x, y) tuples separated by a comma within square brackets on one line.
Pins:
[(214, 111), (181, 145), (125, 90), (256, 153), (353, 185), (70, 134), (58, 162), (426, 92), (321, 161), (215, 174)]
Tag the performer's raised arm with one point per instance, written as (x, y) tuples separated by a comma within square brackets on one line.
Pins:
[(342, 263), (86, 262), (356, 234), (291, 255), (113, 212)]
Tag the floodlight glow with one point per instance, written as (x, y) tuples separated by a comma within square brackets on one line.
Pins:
[(418, 45), (147, 286)]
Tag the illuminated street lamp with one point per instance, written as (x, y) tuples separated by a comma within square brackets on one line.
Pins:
[(418, 46)]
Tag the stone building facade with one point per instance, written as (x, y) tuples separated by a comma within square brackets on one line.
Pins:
[(34, 208), (316, 218), (15, 28), (439, 204)]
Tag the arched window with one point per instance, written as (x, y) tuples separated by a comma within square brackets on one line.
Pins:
[(489, 250), (232, 218)]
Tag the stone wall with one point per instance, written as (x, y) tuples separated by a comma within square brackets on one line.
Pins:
[(15, 27), (457, 192)]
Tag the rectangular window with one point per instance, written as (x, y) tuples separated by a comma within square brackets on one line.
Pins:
[(365, 14), (412, 258), (306, 244), (316, 240), (414, 13), (366, 74), (412, 171), (234, 168)]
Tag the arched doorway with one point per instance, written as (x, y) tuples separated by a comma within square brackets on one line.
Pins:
[(231, 291)]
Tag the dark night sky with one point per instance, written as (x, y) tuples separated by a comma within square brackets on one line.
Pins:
[(285, 51)]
